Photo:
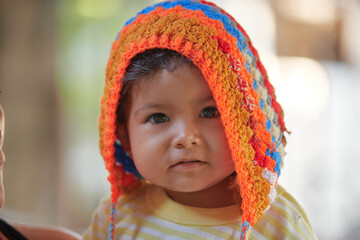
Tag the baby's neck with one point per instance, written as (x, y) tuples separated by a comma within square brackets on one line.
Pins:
[(217, 196)]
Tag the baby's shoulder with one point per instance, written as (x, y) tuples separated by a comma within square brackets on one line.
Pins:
[(285, 201), (128, 207), (134, 202), (285, 218), (128, 201)]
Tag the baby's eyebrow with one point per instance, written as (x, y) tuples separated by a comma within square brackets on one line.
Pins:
[(150, 105), (206, 99)]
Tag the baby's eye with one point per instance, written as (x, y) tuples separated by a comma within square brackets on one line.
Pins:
[(157, 118), (209, 112)]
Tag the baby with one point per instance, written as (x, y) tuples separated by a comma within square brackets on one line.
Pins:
[(191, 133)]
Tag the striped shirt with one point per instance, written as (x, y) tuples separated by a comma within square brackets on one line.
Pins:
[(150, 214)]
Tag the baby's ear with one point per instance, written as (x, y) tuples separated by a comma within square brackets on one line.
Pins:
[(122, 135)]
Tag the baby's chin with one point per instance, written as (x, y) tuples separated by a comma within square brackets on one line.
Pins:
[(191, 187)]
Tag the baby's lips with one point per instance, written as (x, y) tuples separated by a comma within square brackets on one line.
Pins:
[(185, 160)]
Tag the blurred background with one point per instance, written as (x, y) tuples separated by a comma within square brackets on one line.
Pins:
[(52, 68)]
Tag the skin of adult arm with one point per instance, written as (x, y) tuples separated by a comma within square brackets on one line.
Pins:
[(44, 232)]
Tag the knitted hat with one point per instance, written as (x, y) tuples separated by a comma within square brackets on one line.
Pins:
[(221, 49)]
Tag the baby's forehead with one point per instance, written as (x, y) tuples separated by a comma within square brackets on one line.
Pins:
[(155, 77), (186, 82)]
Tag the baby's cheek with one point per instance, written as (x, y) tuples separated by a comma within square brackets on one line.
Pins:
[(219, 136), (222, 148), (145, 166)]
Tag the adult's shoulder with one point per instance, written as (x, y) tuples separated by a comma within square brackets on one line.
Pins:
[(7, 231)]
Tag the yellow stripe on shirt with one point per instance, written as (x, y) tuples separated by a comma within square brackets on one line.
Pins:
[(136, 219)]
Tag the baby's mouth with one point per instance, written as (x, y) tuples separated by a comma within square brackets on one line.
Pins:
[(188, 165)]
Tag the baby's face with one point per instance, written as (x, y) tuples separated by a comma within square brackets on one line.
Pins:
[(176, 137), (2, 156)]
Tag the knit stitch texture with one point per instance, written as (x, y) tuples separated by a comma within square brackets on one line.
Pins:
[(221, 49)]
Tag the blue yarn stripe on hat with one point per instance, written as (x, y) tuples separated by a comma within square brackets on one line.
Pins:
[(112, 222), (123, 158)]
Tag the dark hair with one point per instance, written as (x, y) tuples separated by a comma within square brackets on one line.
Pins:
[(145, 64)]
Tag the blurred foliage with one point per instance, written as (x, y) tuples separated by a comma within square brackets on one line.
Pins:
[(86, 30)]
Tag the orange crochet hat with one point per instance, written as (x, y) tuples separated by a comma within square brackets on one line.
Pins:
[(221, 49)]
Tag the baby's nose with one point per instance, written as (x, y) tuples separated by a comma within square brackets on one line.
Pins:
[(187, 135)]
